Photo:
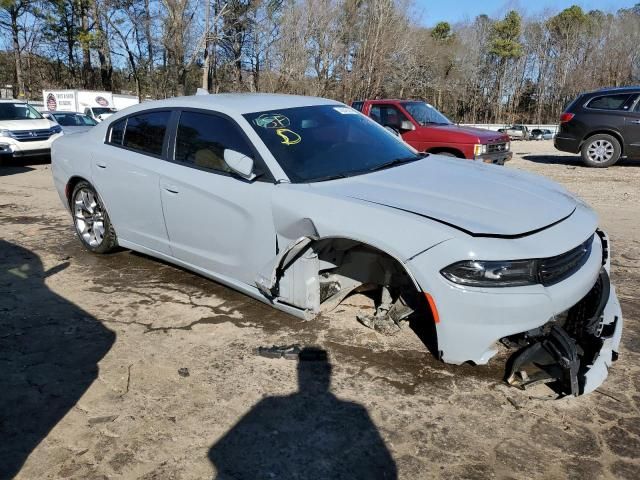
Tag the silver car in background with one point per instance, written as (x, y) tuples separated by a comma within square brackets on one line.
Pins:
[(71, 122), (300, 202)]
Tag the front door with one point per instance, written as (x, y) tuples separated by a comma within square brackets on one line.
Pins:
[(631, 132), (215, 220)]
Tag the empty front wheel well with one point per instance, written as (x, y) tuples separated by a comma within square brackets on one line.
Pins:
[(348, 278)]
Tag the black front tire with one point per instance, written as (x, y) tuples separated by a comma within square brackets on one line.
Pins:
[(91, 219)]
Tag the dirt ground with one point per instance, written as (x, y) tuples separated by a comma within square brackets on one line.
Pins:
[(121, 366)]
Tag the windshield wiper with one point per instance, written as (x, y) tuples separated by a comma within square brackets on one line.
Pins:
[(399, 161)]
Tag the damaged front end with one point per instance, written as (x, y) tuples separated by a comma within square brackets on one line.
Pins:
[(313, 276), (572, 352)]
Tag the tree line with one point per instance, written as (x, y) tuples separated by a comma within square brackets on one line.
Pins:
[(491, 70)]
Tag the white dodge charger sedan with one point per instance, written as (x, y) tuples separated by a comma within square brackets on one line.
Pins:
[(300, 202)]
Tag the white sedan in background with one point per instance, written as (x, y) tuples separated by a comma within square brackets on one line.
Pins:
[(300, 201)]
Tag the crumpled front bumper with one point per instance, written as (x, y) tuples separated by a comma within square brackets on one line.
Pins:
[(573, 353), (598, 371), (472, 321)]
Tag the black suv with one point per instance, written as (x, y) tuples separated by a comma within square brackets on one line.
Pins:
[(603, 126)]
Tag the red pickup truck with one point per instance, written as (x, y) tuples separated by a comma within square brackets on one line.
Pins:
[(427, 130)]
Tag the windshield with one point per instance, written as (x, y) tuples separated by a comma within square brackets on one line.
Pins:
[(74, 120), (425, 114), (18, 111), (327, 141), (102, 110)]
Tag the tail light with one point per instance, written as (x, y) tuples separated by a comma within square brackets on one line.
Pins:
[(566, 117)]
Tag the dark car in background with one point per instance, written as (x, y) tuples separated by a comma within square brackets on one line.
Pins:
[(603, 126)]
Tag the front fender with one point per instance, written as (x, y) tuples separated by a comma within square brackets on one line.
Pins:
[(299, 211)]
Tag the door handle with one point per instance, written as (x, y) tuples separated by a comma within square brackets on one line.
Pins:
[(101, 164), (171, 189)]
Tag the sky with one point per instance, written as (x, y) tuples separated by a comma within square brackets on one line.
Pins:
[(434, 11)]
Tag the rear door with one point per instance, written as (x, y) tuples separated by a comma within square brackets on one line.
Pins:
[(607, 112), (126, 175), (215, 220)]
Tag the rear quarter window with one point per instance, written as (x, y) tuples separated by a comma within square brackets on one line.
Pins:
[(116, 132), (609, 102)]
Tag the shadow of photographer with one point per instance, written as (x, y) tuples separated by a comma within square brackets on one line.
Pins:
[(310, 434), (49, 354)]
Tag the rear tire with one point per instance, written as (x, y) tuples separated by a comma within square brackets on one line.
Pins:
[(91, 220), (600, 151), (447, 154)]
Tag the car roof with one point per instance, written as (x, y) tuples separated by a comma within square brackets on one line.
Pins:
[(630, 88), (236, 103), (388, 100)]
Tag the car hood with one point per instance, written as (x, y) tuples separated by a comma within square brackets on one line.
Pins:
[(479, 199), (472, 134), (34, 124)]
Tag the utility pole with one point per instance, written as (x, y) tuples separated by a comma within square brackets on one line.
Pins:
[(205, 70)]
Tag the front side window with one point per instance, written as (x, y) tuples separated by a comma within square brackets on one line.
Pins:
[(388, 116), (327, 141), (609, 102), (145, 132), (425, 114), (18, 111), (202, 139)]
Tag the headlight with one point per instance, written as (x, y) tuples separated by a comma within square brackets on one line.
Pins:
[(56, 129), (6, 133), (478, 273), (479, 149), (507, 146)]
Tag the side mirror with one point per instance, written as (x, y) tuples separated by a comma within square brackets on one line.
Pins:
[(406, 125), (239, 163)]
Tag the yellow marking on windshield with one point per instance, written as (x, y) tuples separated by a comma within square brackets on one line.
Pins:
[(289, 137)]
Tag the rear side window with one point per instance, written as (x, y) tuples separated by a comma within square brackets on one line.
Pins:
[(145, 132), (117, 132), (609, 102), (202, 139), (357, 106)]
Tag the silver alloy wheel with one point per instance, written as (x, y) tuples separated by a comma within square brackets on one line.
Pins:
[(600, 151), (89, 217)]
